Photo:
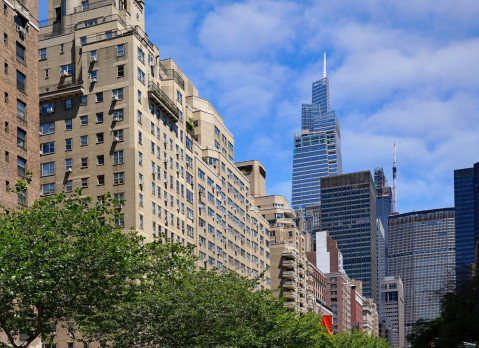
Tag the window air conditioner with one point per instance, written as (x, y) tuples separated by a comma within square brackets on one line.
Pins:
[(116, 139), (93, 59), (50, 110)]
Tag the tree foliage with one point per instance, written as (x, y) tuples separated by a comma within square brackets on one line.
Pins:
[(358, 339)]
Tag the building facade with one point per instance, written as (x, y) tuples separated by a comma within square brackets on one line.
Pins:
[(115, 118), (384, 205), (422, 253), (317, 149), (466, 204), (348, 212), (370, 316), (392, 309), (19, 139)]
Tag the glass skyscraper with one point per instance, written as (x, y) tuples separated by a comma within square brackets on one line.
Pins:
[(384, 206), (317, 149), (466, 202)]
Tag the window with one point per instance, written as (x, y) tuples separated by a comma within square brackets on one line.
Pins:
[(21, 53), (93, 56), (84, 100), (5, 68), (139, 117), (83, 39), (99, 117), (68, 144), (5, 38), (179, 97), (139, 96), (118, 134), (120, 50), (118, 157), (21, 138), (42, 53), (120, 71), (84, 5), (68, 104), (99, 97), (22, 166), (84, 140), (67, 70), (118, 115), (84, 182), (108, 34), (140, 138), (84, 162), (47, 73), (141, 76), (47, 128), (100, 180), (6, 98), (99, 138), (47, 168), (83, 120), (48, 108), (48, 189), (21, 81), (118, 94), (118, 178), (217, 131), (68, 164), (93, 76), (68, 124), (47, 148), (62, 50), (140, 199), (140, 158), (69, 186), (100, 160), (141, 56)]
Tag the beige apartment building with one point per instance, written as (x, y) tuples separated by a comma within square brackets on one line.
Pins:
[(115, 118), (18, 99)]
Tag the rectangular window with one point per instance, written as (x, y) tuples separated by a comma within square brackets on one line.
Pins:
[(117, 94), (21, 81), (22, 166), (83, 120), (93, 56), (68, 104), (141, 56), (84, 182), (21, 109), (47, 169), (68, 144), (83, 100), (21, 138), (99, 97), (118, 135), (139, 96), (48, 189), (99, 117), (84, 140), (100, 160), (179, 97), (68, 125), (118, 157), (118, 178), (21, 53), (67, 70), (42, 54), (141, 76), (85, 5), (120, 50), (118, 115), (47, 148), (62, 48), (68, 165), (47, 128), (99, 138), (100, 180), (69, 186), (120, 71)]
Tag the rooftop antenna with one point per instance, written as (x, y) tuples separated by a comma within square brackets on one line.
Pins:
[(324, 66), (394, 182)]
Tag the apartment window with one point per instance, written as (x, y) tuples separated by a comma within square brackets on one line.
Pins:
[(140, 200), (100, 180), (84, 140), (139, 117), (140, 158), (100, 160), (68, 104), (120, 71), (99, 117), (47, 128), (141, 76), (6, 98), (69, 186), (99, 138), (68, 144), (179, 97), (84, 182), (118, 93), (83, 120), (141, 55), (85, 5), (84, 162), (67, 70), (48, 189), (118, 115), (22, 166), (118, 134), (5, 9), (5, 38), (93, 76), (120, 50), (21, 138), (42, 53), (83, 100), (83, 38), (118, 178), (21, 53), (68, 125), (68, 164), (47, 168), (5, 68), (217, 131), (108, 34), (118, 157), (47, 148), (21, 81), (93, 56), (62, 49), (48, 108), (140, 138), (99, 97), (139, 96), (22, 198)]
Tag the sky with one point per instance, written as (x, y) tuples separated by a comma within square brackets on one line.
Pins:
[(400, 71)]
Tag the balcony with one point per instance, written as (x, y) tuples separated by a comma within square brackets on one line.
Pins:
[(288, 264), (289, 304), (60, 91), (289, 275), (171, 74), (290, 295), (162, 101), (289, 254), (289, 284)]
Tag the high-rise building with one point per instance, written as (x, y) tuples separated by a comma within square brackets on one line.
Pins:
[(317, 149), (348, 213), (422, 253), (311, 224), (19, 139), (392, 309), (115, 118), (384, 205), (466, 203)]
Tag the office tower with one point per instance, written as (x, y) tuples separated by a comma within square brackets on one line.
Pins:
[(466, 203), (348, 212), (422, 253), (384, 205), (317, 149), (115, 118), (19, 122), (392, 308)]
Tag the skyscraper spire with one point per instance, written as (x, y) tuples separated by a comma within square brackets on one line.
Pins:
[(324, 65)]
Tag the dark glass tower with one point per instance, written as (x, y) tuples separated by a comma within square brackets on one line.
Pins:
[(384, 206), (466, 202), (317, 149), (348, 212)]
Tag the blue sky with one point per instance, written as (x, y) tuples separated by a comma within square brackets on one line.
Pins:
[(400, 71)]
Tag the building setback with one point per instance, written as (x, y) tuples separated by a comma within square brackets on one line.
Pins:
[(348, 213), (19, 122), (422, 253)]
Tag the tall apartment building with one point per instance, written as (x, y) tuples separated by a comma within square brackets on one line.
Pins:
[(422, 253), (370, 316), (19, 140), (466, 203), (311, 224), (356, 305), (384, 203), (114, 118), (348, 213), (392, 308), (317, 149)]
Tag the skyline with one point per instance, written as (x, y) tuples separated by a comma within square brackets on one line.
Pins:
[(394, 70)]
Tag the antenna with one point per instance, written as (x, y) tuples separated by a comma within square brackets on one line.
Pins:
[(324, 66), (394, 181)]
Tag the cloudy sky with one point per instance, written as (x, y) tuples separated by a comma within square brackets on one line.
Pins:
[(400, 71)]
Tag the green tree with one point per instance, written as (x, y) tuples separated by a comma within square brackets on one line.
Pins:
[(358, 339), (64, 260)]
